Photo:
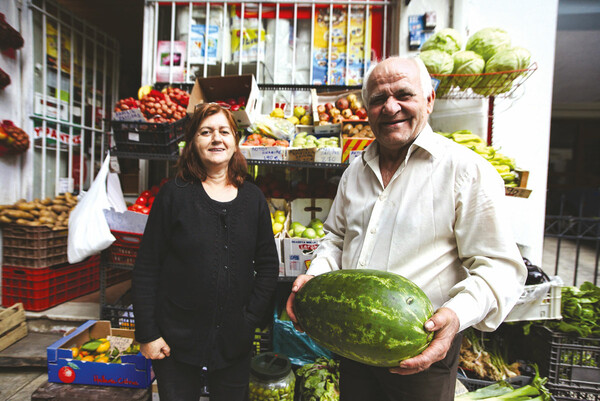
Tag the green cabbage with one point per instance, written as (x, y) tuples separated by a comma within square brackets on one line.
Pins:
[(439, 62), (510, 59), (488, 41), (447, 40), (467, 62)]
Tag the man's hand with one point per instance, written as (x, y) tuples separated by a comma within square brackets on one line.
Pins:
[(157, 349), (445, 324), (298, 283)]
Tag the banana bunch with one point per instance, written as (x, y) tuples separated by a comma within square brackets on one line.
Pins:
[(504, 165), (100, 350)]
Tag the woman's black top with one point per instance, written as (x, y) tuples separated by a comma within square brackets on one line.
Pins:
[(205, 273)]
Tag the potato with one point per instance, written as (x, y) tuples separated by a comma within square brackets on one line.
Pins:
[(19, 214), (23, 222), (60, 208), (26, 206), (46, 201), (46, 220), (5, 220)]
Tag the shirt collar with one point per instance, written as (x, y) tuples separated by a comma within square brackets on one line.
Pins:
[(426, 140)]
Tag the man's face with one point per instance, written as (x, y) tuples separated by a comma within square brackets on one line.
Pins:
[(398, 109)]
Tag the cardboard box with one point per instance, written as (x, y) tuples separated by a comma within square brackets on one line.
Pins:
[(298, 252), (275, 153), (353, 147), (211, 89), (135, 371), (317, 155), (521, 191), (128, 221), (280, 204)]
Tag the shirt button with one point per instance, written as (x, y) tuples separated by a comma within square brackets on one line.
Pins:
[(382, 197), (225, 267), (224, 210), (225, 247)]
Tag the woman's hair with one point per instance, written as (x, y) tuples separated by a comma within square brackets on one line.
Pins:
[(189, 165)]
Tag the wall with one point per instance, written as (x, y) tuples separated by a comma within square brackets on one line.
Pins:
[(521, 124), (15, 171)]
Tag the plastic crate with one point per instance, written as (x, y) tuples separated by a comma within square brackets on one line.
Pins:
[(134, 132), (34, 237), (538, 302), (40, 289), (119, 316), (474, 384), (115, 275), (141, 149), (124, 250)]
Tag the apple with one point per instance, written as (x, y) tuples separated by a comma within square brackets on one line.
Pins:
[(354, 117), (309, 233), (351, 97), (361, 113), (329, 106), (337, 119), (346, 113), (323, 117), (334, 112), (321, 109), (342, 103), (355, 105)]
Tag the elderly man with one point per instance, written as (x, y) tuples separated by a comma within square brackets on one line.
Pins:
[(433, 211)]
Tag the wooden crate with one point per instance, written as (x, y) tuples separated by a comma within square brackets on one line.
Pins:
[(13, 326)]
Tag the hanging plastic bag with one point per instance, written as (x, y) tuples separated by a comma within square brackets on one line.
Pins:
[(88, 230)]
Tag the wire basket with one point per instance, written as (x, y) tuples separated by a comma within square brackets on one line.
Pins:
[(475, 86)]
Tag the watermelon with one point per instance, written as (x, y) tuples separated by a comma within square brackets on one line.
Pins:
[(370, 316)]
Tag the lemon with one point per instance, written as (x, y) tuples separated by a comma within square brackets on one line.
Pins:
[(306, 120), (277, 227), (143, 91), (294, 120)]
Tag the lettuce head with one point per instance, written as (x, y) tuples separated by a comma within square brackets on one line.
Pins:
[(510, 59), (448, 40), (467, 62), (439, 62), (488, 41)]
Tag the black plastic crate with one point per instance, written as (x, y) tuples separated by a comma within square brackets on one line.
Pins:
[(119, 316), (263, 340), (474, 384), (141, 149), (137, 133), (571, 363)]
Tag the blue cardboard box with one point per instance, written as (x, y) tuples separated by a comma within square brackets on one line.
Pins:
[(134, 370)]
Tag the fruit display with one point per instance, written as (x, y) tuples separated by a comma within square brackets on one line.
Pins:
[(348, 107), (305, 140), (13, 140), (370, 316), (300, 115), (278, 221), (504, 165), (166, 106), (359, 130), (312, 231), (48, 212), (233, 104), (101, 350), (261, 140), (143, 203)]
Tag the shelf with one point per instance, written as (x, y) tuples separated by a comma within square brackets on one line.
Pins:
[(144, 156), (300, 164)]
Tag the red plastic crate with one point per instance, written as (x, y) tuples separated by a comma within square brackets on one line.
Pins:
[(124, 250), (40, 289)]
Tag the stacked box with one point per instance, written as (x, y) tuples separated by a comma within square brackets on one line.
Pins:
[(124, 250), (41, 288), (33, 246), (145, 138)]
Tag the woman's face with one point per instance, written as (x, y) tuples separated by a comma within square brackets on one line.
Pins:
[(215, 141)]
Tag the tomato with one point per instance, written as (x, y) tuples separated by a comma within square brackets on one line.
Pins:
[(145, 210), (141, 200), (241, 101), (163, 181), (137, 207), (235, 107), (154, 189), (150, 201), (66, 374), (146, 194), (231, 101)]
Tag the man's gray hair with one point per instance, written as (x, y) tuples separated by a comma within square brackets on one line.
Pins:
[(424, 76)]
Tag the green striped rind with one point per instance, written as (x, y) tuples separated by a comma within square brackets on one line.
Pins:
[(370, 316)]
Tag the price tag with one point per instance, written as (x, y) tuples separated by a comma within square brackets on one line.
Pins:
[(114, 165), (133, 136), (120, 343)]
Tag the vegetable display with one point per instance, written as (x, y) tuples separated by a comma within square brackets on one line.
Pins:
[(319, 381), (48, 212), (501, 390), (504, 165), (489, 63), (370, 316)]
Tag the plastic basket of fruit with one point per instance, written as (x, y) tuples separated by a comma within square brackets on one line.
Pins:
[(137, 133)]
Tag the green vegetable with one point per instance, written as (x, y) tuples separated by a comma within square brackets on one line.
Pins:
[(319, 381), (370, 316), (536, 390), (448, 40), (439, 62), (509, 59), (467, 62), (488, 41)]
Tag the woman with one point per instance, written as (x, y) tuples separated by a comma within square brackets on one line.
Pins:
[(206, 268)]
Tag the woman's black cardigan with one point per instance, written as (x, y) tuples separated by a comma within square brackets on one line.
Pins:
[(205, 273)]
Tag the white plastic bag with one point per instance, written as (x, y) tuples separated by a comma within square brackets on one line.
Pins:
[(88, 230)]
